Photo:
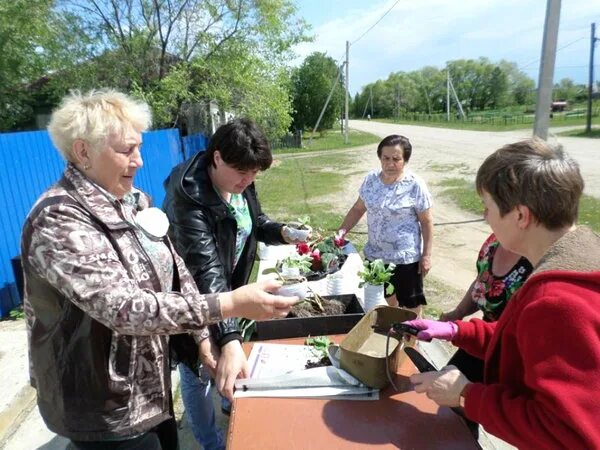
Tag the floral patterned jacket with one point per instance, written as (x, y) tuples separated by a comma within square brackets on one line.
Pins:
[(98, 318)]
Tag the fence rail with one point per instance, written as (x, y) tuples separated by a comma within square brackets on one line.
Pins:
[(492, 119)]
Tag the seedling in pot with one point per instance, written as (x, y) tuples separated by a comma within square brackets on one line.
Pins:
[(319, 345), (316, 301), (377, 273)]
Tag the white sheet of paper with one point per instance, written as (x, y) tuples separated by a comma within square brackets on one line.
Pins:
[(271, 360)]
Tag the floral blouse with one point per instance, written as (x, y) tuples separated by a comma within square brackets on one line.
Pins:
[(491, 292), (392, 217)]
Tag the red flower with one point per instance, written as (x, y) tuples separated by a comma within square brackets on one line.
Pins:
[(339, 241), (316, 260), (316, 255), (303, 248)]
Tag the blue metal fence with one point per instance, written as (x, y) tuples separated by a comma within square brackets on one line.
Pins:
[(29, 164), (193, 144)]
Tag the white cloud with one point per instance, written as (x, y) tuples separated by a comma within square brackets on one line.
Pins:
[(430, 32)]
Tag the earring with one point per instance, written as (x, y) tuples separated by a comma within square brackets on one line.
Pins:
[(86, 166)]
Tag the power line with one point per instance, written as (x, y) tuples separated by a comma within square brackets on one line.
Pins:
[(373, 26), (557, 50)]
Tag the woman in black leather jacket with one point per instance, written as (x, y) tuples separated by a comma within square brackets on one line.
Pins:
[(216, 222)]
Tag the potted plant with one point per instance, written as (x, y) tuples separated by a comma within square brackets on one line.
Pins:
[(295, 266), (327, 255), (373, 276)]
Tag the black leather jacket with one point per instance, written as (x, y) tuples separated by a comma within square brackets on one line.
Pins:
[(204, 233)]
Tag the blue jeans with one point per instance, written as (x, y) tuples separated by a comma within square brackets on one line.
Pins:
[(200, 409)]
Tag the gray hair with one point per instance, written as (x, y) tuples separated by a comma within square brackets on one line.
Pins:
[(93, 116)]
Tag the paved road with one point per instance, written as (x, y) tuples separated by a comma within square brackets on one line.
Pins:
[(471, 147)]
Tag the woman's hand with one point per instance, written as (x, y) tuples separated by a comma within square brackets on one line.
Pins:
[(256, 301), (294, 236), (425, 265), (450, 316), (433, 329), (209, 355), (443, 387), (232, 365)]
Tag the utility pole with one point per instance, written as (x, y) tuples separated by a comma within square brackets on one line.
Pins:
[(588, 123), (447, 95), (371, 97), (546, 77), (347, 86), (325, 106), (398, 101)]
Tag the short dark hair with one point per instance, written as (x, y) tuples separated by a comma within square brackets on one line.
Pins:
[(242, 145), (535, 174), (393, 140)]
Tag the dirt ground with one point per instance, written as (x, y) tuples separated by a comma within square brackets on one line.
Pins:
[(443, 153)]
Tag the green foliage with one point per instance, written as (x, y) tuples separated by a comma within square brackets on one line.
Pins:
[(594, 133), (479, 84), (17, 313), (299, 184), (589, 212), (247, 328), (35, 39), (312, 82), (376, 273), (319, 345), (169, 53), (462, 193), (567, 90), (332, 140), (302, 262)]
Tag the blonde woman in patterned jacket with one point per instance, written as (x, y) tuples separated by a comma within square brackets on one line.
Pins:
[(104, 287)]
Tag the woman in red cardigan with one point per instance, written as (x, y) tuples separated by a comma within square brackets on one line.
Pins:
[(541, 385)]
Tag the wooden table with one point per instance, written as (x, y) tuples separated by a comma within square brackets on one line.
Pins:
[(404, 419)]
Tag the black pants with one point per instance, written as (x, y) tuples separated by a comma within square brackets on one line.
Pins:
[(408, 285), (470, 366), (161, 437)]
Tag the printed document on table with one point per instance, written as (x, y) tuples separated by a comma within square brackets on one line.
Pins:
[(278, 370)]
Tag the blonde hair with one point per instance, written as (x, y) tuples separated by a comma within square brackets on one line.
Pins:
[(94, 115)]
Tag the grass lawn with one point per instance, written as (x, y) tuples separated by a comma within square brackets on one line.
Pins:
[(331, 139), (463, 193), (299, 182), (594, 133)]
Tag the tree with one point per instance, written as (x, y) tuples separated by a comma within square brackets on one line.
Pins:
[(521, 88), (34, 40), (566, 89), (312, 82), (173, 52)]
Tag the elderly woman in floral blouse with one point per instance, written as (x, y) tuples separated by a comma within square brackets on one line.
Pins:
[(399, 220)]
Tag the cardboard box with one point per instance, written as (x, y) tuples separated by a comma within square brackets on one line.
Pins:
[(363, 350), (312, 326)]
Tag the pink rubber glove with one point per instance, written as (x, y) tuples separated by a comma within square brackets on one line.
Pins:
[(433, 329)]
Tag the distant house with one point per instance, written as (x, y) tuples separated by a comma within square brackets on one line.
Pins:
[(559, 106)]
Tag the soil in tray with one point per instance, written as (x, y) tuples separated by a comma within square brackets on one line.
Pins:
[(332, 307)]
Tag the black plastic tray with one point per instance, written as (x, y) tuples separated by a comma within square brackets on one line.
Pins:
[(312, 326)]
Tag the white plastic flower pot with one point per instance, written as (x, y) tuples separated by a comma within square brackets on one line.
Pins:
[(290, 272), (335, 284), (373, 296), (296, 289)]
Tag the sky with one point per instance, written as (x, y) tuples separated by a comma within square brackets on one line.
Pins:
[(418, 33)]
